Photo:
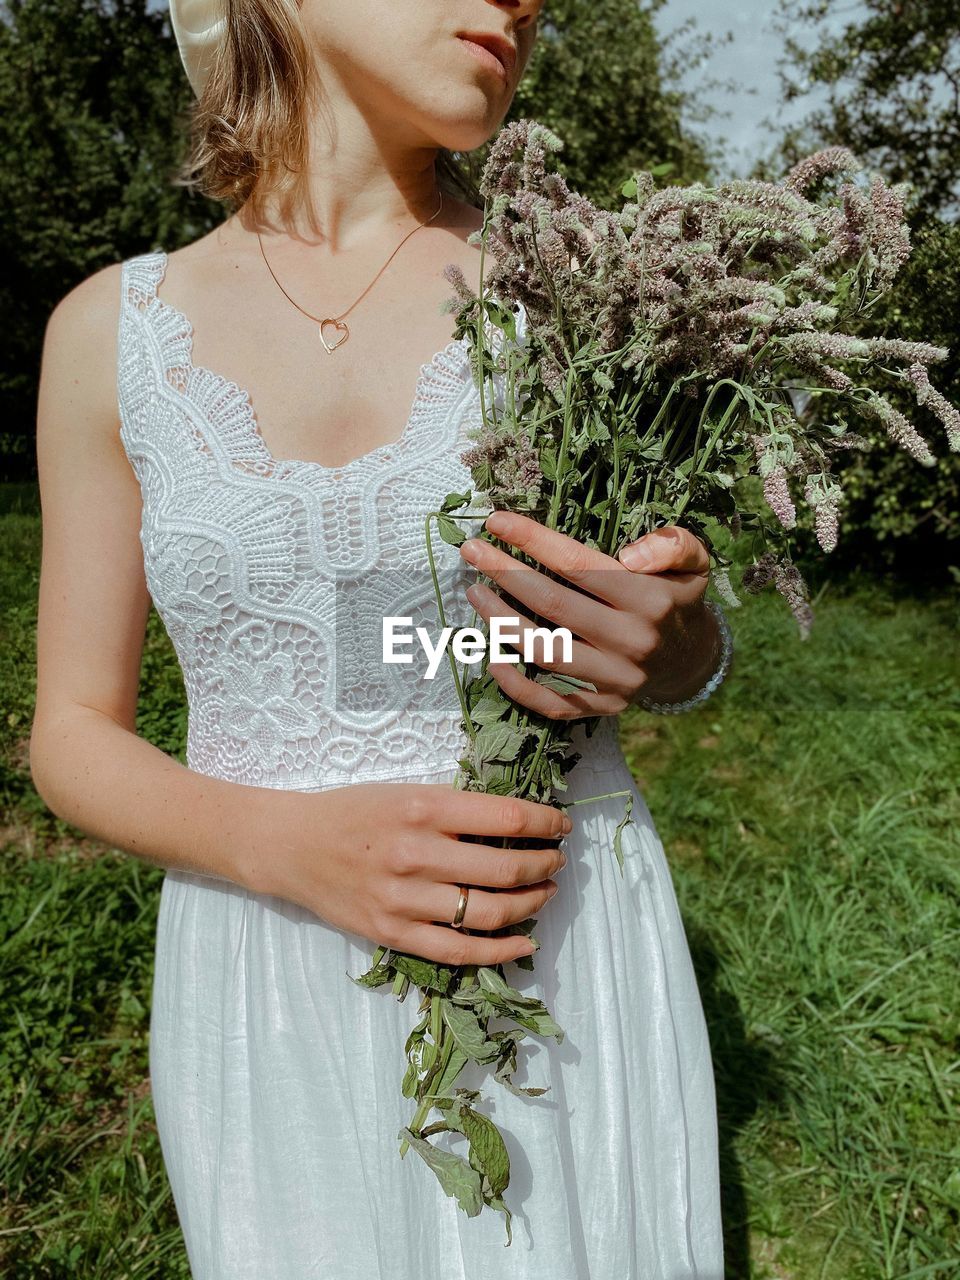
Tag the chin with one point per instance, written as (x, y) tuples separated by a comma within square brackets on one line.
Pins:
[(460, 140), (471, 128)]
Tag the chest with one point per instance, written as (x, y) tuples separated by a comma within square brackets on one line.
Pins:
[(327, 407), (263, 526)]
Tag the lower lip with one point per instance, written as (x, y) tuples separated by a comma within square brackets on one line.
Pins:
[(486, 57)]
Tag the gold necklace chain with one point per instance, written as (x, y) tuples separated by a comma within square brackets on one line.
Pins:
[(337, 321)]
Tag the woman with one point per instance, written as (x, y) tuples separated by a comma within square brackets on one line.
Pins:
[(315, 816)]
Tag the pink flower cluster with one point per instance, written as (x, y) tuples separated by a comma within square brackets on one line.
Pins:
[(756, 286)]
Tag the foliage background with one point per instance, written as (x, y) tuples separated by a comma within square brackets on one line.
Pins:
[(891, 76)]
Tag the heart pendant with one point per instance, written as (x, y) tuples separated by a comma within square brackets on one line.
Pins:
[(340, 327)]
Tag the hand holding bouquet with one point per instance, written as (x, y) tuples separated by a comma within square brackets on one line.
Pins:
[(675, 352)]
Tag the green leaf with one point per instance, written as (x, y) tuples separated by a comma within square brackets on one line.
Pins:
[(541, 1023), (548, 463), (618, 834), (527, 1010), (417, 1033), (468, 1034), (561, 683), (600, 508), (455, 1064), (454, 1174), (409, 1086), (454, 500), (499, 786), (653, 452), (503, 318), (504, 994), (498, 741), (487, 1141), (374, 977), (426, 974), (480, 685), (450, 531), (489, 710)]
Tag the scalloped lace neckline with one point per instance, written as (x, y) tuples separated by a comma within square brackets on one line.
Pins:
[(388, 451)]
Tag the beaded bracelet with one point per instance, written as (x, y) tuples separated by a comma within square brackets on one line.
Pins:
[(675, 708)]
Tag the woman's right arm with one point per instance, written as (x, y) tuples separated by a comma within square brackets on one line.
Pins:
[(384, 864), (87, 762)]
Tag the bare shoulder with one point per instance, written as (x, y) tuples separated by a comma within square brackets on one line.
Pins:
[(79, 361), (79, 350), (90, 307), (219, 239)]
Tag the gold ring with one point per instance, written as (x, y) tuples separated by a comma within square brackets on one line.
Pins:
[(461, 907)]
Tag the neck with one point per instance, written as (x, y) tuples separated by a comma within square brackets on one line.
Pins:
[(350, 197)]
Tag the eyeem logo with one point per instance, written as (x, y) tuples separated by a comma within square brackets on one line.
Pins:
[(469, 643)]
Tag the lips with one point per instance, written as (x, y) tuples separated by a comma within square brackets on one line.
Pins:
[(501, 48)]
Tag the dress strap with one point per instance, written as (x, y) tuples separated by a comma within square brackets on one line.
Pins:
[(142, 275), (136, 341), (160, 333)]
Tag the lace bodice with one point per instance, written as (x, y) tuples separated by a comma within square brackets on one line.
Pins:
[(272, 576)]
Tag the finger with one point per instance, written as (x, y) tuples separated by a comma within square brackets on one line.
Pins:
[(479, 814), (610, 638), (598, 666), (485, 910), (455, 947), (488, 867), (590, 618), (671, 549), (557, 706), (586, 567)]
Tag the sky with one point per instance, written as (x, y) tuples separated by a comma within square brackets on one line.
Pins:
[(751, 60)]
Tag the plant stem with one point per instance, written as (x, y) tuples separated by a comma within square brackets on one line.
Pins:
[(443, 622), (531, 772), (558, 494), (445, 1049)]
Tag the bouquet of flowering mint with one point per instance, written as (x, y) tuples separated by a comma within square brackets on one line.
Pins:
[(675, 349)]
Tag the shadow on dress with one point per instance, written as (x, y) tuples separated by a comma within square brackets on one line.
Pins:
[(746, 1074)]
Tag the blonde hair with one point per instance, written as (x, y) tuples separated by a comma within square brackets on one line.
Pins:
[(248, 128)]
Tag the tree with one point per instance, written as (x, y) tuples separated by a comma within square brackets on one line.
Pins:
[(892, 77), (600, 78), (91, 100)]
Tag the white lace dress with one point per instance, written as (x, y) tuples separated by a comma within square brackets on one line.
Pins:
[(275, 1079)]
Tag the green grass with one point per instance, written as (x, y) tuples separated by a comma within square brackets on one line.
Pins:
[(810, 816), (809, 812)]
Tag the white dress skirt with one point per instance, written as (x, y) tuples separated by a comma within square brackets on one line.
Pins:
[(275, 1079)]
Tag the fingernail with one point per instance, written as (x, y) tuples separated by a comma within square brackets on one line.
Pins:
[(563, 860), (567, 824), (636, 557)]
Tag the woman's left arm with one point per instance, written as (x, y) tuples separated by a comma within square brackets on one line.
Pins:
[(640, 624)]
